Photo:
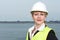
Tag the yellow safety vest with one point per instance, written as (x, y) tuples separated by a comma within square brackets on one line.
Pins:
[(41, 35)]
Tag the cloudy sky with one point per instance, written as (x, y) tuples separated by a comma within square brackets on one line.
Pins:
[(13, 10)]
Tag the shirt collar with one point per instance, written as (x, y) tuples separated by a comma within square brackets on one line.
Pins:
[(40, 28)]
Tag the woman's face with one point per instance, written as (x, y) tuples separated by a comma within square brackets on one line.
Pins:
[(39, 17)]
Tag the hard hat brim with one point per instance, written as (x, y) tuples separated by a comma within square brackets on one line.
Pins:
[(40, 11)]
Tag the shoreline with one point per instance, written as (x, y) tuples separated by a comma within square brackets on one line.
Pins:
[(26, 22)]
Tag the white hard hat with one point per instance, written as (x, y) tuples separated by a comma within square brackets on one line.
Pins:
[(39, 6)]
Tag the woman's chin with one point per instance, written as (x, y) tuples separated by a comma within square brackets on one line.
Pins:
[(39, 23)]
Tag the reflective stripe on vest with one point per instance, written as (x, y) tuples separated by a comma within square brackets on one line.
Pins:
[(41, 35)]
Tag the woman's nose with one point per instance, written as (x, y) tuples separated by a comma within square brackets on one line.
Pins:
[(39, 16)]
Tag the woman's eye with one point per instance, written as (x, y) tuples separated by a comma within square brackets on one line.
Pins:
[(36, 14), (42, 14)]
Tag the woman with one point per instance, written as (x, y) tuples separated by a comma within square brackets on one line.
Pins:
[(40, 31)]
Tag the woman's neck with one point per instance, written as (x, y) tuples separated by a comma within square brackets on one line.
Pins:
[(38, 25)]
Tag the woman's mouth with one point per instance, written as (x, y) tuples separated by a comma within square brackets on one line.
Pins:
[(38, 20)]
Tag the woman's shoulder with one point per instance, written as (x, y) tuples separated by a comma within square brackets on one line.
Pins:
[(31, 28), (51, 35)]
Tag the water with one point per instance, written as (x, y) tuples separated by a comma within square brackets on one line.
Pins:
[(17, 31)]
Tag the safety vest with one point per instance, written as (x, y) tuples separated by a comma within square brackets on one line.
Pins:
[(41, 35)]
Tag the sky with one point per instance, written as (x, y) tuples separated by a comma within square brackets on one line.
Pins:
[(19, 10)]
